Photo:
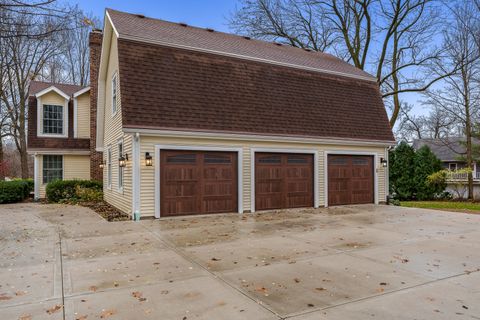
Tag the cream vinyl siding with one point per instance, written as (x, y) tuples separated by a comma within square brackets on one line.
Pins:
[(74, 167), (121, 199), (83, 116), (147, 174)]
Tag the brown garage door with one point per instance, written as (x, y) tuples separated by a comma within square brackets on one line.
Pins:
[(197, 182), (283, 180), (350, 179)]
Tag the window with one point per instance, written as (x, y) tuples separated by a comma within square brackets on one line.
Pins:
[(109, 167), (182, 158), (452, 166), (360, 161), (114, 94), (297, 159), (52, 168), (52, 119), (270, 159), (217, 159), (120, 169)]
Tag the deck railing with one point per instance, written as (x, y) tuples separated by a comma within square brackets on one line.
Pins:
[(462, 176)]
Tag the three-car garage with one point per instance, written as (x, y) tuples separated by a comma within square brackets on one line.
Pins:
[(210, 181)]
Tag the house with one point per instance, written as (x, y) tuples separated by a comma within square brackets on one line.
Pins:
[(451, 152), (195, 121), (59, 133)]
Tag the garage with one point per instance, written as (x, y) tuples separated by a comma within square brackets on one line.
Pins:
[(198, 182), (283, 180), (350, 179)]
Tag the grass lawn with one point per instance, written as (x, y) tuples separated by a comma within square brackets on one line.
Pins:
[(468, 207)]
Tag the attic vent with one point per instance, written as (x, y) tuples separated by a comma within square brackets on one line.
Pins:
[(278, 43), (308, 50), (245, 37), (209, 29), (141, 16), (183, 24)]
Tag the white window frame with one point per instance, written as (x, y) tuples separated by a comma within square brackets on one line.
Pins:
[(109, 167), (450, 166), (121, 170), (40, 120), (43, 167), (114, 84)]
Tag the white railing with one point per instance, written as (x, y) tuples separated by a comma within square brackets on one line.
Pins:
[(462, 176)]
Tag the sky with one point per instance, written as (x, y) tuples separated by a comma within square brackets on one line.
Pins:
[(201, 13)]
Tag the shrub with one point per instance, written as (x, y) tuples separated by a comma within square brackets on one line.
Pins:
[(426, 163), (88, 194), (401, 171), (29, 182), (14, 191), (71, 190)]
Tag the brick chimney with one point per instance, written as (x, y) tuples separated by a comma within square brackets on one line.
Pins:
[(96, 158)]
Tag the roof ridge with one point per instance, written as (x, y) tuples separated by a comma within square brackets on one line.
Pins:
[(293, 56)]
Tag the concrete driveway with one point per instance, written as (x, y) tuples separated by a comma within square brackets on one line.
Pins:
[(358, 262)]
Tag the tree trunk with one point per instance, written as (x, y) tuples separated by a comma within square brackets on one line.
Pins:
[(23, 140), (2, 165)]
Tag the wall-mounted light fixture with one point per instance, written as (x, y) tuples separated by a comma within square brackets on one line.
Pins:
[(122, 160), (383, 161), (102, 164), (148, 159)]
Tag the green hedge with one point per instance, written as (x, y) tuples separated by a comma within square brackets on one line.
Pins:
[(67, 190), (15, 191)]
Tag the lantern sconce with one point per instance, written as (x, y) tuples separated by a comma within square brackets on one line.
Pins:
[(122, 160), (148, 159), (383, 161), (102, 164)]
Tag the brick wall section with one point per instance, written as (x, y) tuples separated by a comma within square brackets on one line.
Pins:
[(96, 158), (35, 142)]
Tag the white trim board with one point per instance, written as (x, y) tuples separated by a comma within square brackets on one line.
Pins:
[(316, 198), (257, 137), (158, 149), (351, 153), (55, 89)]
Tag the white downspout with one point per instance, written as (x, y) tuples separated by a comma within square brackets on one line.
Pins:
[(36, 188), (136, 174)]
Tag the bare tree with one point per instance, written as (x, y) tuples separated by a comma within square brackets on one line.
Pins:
[(390, 38), (37, 11), (26, 56), (460, 94)]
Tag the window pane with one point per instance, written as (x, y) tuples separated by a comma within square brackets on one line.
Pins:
[(217, 159), (296, 159), (270, 159), (360, 161), (52, 168), (182, 158), (338, 161), (52, 119)]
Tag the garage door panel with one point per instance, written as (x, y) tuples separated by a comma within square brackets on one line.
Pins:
[(198, 182), (283, 180), (350, 179)]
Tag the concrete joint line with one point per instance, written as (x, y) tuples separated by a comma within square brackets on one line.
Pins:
[(216, 276), (381, 294)]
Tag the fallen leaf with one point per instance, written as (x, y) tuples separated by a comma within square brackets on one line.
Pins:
[(93, 288), (25, 317), (320, 289), (107, 313), (20, 293), (81, 318), (215, 259), (383, 283), (54, 309), (4, 296), (296, 280), (310, 305)]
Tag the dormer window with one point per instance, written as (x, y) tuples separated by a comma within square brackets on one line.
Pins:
[(114, 94), (52, 119)]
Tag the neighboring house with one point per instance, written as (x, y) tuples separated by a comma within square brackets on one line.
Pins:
[(451, 151), (194, 121)]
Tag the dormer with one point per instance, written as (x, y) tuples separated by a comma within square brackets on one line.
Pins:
[(59, 117)]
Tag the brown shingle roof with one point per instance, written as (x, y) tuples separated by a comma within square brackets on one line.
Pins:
[(159, 31), (68, 89), (170, 88)]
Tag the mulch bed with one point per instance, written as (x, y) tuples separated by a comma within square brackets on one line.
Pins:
[(106, 211)]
